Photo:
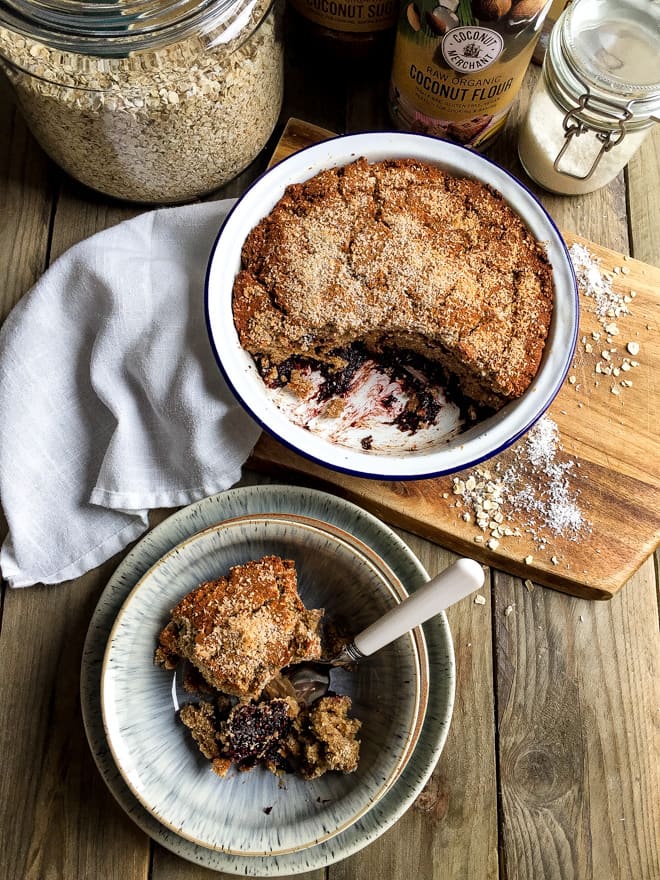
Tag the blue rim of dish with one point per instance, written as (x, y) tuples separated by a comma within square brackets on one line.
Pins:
[(472, 462)]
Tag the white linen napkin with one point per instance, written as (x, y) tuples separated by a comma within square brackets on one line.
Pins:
[(111, 402)]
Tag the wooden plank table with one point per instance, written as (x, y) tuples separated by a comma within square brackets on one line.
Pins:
[(551, 768)]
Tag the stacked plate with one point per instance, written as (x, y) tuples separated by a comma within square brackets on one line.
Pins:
[(248, 824)]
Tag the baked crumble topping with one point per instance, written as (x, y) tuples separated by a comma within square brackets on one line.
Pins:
[(241, 630), (239, 633), (397, 255), (323, 737), (279, 734)]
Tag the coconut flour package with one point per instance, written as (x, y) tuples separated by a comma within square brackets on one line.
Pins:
[(458, 65)]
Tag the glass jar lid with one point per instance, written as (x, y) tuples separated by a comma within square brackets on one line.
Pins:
[(119, 27), (612, 47), (602, 69)]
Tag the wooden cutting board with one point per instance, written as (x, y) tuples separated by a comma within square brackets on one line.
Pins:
[(611, 439)]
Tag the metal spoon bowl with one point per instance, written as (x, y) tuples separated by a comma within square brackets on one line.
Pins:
[(311, 681)]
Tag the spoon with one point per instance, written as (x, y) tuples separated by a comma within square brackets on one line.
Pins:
[(311, 681)]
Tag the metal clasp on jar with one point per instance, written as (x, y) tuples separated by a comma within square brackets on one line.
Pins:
[(574, 126)]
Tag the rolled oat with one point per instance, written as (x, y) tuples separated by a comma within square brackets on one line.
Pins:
[(166, 125)]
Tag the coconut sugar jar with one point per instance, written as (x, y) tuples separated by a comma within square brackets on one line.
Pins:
[(458, 65), (146, 102), (598, 96)]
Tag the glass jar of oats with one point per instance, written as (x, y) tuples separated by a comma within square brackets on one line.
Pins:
[(155, 102)]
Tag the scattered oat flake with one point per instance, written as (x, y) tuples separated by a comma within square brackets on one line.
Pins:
[(532, 492), (633, 348), (479, 599), (595, 284), (529, 585)]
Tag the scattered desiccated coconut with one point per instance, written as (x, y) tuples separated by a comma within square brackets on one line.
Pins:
[(533, 495), (479, 599), (608, 305), (533, 491), (508, 610), (596, 284), (529, 586)]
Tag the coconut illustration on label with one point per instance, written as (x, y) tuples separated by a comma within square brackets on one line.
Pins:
[(458, 65)]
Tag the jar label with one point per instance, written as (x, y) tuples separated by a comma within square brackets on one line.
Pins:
[(470, 49), (354, 16), (458, 64)]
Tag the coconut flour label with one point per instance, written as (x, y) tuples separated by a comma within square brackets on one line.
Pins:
[(354, 16), (458, 64)]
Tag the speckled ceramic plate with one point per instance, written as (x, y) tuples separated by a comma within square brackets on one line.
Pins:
[(366, 528), (253, 813)]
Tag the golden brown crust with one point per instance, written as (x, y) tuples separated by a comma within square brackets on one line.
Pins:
[(399, 253), (240, 631)]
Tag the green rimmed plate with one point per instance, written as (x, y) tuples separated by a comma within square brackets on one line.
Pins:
[(384, 542)]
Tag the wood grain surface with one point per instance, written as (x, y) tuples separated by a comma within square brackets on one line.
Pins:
[(551, 770), (611, 439)]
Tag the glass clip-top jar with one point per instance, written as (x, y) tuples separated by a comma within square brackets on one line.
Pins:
[(598, 96), (153, 102)]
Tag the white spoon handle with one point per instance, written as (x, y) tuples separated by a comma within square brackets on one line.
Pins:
[(454, 583)]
